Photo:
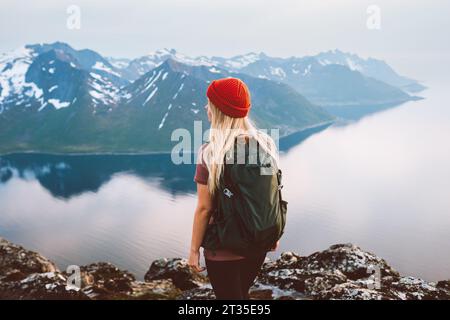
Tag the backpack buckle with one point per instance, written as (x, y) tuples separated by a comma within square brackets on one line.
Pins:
[(227, 192)]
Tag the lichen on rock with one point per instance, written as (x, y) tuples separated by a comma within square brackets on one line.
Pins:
[(343, 271)]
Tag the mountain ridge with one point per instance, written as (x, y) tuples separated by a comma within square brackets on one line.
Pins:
[(77, 103)]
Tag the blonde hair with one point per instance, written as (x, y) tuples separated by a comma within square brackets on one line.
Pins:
[(224, 130)]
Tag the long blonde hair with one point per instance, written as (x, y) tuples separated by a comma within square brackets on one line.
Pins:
[(224, 130)]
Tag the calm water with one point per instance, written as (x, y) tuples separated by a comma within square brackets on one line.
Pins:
[(382, 182)]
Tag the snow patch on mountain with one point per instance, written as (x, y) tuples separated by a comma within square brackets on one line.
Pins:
[(150, 82), (13, 68), (58, 104), (102, 89), (151, 95), (277, 71), (179, 89), (307, 70), (101, 66), (214, 70), (241, 61), (164, 54), (162, 121), (119, 63), (324, 62), (353, 65)]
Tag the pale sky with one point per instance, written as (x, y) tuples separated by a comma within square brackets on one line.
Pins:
[(413, 33)]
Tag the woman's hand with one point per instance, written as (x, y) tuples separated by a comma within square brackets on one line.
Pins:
[(194, 261), (275, 246)]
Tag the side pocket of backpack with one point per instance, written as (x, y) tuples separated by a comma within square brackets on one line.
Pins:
[(283, 212), (283, 203)]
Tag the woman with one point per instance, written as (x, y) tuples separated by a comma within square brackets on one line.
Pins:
[(231, 274)]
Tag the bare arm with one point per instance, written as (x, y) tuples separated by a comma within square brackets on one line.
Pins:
[(201, 220)]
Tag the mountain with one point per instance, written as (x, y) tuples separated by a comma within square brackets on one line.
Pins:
[(55, 76), (370, 67), (139, 66), (324, 82), (331, 78), (54, 98)]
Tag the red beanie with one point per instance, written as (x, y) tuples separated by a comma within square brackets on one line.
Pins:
[(231, 96)]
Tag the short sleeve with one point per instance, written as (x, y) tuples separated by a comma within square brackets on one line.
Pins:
[(201, 170)]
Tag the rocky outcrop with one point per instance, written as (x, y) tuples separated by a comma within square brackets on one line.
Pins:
[(343, 271), (16, 263), (178, 271)]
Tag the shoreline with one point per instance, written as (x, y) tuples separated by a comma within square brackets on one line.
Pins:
[(341, 272), (146, 153)]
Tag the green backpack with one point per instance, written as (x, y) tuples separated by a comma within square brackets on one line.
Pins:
[(250, 213)]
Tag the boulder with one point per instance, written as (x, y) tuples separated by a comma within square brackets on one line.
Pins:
[(107, 278), (342, 271), (163, 289), (38, 286), (352, 291), (410, 288), (349, 259), (198, 293), (178, 270), (17, 263)]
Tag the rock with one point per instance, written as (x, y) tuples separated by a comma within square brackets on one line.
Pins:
[(261, 294), (178, 270), (340, 272), (349, 259), (155, 290), (345, 271), (307, 282), (198, 293), (351, 291), (107, 278), (48, 285), (444, 285), (410, 288), (444, 289), (17, 263)]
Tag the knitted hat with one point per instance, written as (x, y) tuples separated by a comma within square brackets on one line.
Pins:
[(231, 96)]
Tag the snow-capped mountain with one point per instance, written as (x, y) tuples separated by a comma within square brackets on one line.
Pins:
[(14, 88), (374, 68), (333, 78), (327, 84), (180, 89), (58, 99), (56, 76), (137, 67), (329, 78)]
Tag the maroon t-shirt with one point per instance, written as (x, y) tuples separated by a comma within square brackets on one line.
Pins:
[(201, 176)]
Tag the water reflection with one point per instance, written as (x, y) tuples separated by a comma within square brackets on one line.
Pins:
[(67, 176)]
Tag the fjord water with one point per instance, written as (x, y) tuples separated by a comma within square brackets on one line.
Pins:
[(382, 182)]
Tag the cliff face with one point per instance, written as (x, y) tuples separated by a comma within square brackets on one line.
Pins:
[(343, 271)]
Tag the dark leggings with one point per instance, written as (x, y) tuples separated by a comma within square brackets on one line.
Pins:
[(231, 280)]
